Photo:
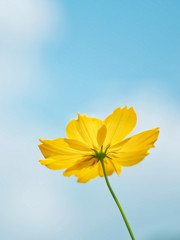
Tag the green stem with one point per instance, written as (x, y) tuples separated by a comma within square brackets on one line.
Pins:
[(116, 200)]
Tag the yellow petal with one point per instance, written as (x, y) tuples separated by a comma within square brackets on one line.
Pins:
[(47, 151), (127, 159), (117, 167), (88, 162), (58, 163), (63, 146), (108, 167), (101, 135), (63, 153), (85, 174), (85, 129), (119, 124), (73, 143), (138, 142), (133, 150)]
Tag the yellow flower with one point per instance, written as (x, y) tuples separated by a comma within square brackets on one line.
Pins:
[(91, 139)]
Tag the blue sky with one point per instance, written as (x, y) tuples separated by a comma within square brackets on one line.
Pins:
[(63, 57)]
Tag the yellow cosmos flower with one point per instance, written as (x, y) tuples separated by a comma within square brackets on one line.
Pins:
[(90, 140)]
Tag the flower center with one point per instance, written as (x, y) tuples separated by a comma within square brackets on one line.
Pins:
[(101, 154)]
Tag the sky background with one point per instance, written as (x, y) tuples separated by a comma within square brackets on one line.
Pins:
[(58, 58)]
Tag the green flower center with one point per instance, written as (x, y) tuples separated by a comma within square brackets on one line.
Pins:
[(101, 154)]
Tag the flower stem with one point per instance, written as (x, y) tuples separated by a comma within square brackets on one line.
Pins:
[(116, 200)]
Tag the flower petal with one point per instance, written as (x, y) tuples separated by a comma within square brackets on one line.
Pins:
[(63, 153), (101, 135), (85, 174), (138, 142), (88, 162), (127, 159), (58, 162), (117, 167), (63, 146), (119, 124), (84, 129), (133, 150), (108, 167)]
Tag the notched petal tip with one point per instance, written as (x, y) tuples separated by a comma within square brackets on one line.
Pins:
[(42, 162), (158, 130), (80, 181), (66, 174), (40, 146), (44, 141), (79, 115), (156, 134)]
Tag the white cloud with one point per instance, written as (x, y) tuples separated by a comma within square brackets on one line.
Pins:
[(30, 200), (28, 21), (25, 25), (16, 74)]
